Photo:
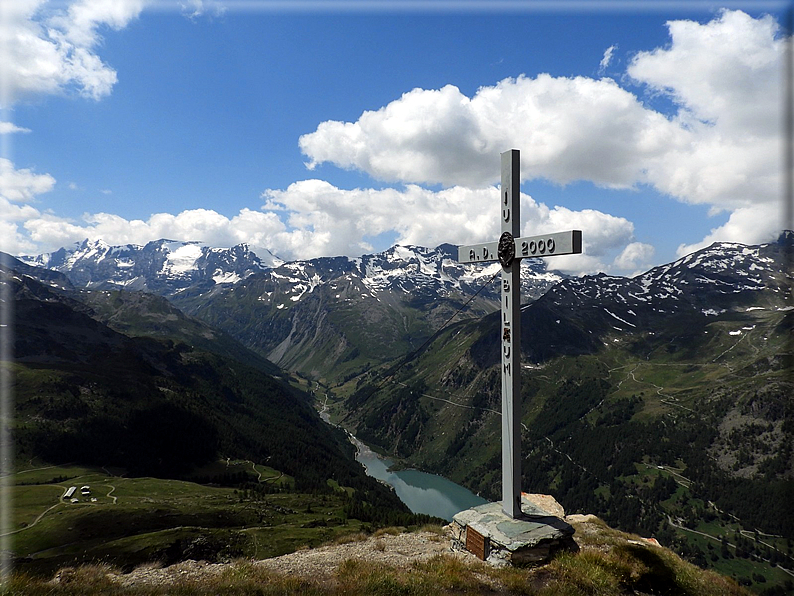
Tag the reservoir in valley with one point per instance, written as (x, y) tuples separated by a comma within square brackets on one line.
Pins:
[(420, 491)]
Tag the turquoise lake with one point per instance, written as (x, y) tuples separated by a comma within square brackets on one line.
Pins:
[(420, 491)]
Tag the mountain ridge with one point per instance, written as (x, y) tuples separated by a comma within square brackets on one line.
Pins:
[(160, 266), (299, 314), (156, 264)]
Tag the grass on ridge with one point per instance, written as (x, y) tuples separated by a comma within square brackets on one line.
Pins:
[(610, 563)]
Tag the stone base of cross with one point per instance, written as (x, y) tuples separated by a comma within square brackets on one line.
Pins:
[(509, 250)]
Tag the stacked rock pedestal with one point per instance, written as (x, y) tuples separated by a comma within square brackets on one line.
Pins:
[(534, 537)]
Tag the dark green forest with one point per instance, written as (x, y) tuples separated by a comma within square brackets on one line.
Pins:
[(158, 407)]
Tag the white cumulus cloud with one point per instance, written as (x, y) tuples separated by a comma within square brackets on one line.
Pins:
[(48, 232), (725, 76), (760, 222), (567, 129), (47, 49), (13, 238), (721, 146), (22, 185), (313, 218), (328, 220), (17, 188), (634, 256)]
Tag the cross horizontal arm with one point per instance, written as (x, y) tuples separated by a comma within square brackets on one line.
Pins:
[(543, 245), (473, 253)]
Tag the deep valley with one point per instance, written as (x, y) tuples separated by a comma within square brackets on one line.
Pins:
[(660, 403)]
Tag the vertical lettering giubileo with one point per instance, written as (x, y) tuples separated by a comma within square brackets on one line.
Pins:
[(509, 250)]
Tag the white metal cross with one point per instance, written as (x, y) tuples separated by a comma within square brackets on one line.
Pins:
[(509, 250)]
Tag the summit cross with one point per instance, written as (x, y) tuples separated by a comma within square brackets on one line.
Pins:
[(509, 250)]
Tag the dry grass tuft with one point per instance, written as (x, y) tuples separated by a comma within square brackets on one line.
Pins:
[(151, 565), (438, 532), (99, 575), (390, 531), (348, 538)]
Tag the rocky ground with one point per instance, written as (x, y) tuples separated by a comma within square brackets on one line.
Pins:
[(393, 549)]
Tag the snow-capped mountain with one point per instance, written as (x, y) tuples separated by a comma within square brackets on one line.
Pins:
[(408, 270), (579, 314), (162, 266), (706, 282), (314, 315), (339, 315), (169, 268), (345, 314)]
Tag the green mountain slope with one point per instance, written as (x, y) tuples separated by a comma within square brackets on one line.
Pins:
[(662, 404), (91, 399), (153, 406), (139, 314), (337, 331)]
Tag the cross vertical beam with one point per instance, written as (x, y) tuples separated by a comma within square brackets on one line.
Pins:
[(509, 251), (511, 340)]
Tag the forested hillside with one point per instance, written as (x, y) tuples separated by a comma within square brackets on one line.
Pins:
[(94, 403), (661, 403)]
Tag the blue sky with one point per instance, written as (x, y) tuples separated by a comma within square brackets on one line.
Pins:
[(338, 130)]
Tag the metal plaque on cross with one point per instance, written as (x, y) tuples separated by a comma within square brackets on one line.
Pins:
[(509, 250)]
